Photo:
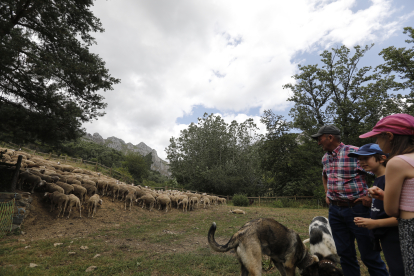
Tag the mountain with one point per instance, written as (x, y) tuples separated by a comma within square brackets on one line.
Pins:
[(158, 164)]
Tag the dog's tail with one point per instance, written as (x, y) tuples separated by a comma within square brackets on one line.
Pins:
[(217, 247)]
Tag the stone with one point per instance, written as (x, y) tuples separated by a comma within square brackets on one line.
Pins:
[(72, 253), (84, 247), (22, 240), (57, 244), (96, 256), (91, 268), (33, 265)]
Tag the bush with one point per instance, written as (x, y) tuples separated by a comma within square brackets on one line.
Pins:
[(277, 204), (240, 200)]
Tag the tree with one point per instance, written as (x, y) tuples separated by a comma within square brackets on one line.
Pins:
[(48, 78), (136, 165), (291, 162), (340, 93), (401, 61), (213, 156)]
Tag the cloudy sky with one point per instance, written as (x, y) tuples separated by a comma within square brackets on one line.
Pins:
[(178, 59)]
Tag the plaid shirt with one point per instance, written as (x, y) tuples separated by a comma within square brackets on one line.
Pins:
[(346, 179)]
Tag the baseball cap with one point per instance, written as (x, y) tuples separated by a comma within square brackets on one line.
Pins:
[(401, 124), (328, 129), (368, 149)]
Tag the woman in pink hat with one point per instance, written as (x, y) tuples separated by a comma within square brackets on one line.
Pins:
[(395, 136)]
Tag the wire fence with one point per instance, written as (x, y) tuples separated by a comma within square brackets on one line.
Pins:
[(6, 217), (81, 163)]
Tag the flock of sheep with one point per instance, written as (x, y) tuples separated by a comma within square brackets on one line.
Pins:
[(66, 187)]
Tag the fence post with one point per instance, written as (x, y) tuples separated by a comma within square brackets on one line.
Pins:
[(50, 154), (110, 172), (96, 168), (295, 197), (16, 173), (259, 201)]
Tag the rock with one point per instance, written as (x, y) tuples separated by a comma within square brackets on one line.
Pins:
[(22, 240), (96, 256), (84, 247), (57, 244), (27, 247), (72, 253), (91, 268), (33, 265)]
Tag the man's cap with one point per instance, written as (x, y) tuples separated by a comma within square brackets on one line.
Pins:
[(400, 124), (368, 149), (328, 129)]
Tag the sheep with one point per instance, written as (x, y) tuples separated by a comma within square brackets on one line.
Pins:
[(193, 201), (184, 202), (67, 187), (122, 191), (206, 201), (80, 192), (102, 185), (87, 181), (237, 211), (180, 197), (147, 199), (113, 190), (33, 180), (222, 201), (93, 203), (48, 178), (71, 180), (67, 168), (59, 199), (130, 198), (51, 187), (91, 190), (164, 200), (73, 201)]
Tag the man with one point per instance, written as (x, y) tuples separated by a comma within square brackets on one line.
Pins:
[(346, 194)]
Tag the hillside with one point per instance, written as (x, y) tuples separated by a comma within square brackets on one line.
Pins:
[(158, 164)]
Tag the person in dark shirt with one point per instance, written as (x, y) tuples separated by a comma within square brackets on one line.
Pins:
[(384, 228)]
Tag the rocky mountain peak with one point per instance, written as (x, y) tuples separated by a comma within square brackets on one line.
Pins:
[(118, 144)]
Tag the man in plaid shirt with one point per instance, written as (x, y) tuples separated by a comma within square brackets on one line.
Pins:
[(346, 194)]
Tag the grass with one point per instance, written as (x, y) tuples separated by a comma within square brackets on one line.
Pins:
[(170, 244)]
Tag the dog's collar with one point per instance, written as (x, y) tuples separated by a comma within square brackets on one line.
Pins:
[(325, 261)]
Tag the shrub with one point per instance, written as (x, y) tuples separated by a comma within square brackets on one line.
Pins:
[(277, 204), (240, 200)]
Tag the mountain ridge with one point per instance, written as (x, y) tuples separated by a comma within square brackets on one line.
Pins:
[(158, 164)]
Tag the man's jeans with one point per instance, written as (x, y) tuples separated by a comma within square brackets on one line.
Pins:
[(345, 231)]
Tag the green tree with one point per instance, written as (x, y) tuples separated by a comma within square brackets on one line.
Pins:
[(401, 61), (136, 165), (291, 162), (214, 156), (48, 77), (341, 93)]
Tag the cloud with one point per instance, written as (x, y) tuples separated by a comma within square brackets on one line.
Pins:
[(228, 55)]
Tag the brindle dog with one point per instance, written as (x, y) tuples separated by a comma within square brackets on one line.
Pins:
[(269, 237)]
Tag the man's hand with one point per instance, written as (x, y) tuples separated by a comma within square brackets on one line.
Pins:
[(328, 201), (366, 201), (376, 192)]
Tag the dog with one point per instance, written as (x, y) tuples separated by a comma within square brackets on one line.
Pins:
[(269, 237), (322, 245), (238, 211)]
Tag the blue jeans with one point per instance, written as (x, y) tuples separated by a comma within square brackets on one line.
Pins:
[(345, 232)]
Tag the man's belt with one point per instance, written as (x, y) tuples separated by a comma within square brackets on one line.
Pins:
[(348, 203)]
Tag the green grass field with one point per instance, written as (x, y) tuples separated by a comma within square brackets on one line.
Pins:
[(152, 243)]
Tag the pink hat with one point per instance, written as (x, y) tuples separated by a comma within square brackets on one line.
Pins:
[(402, 124)]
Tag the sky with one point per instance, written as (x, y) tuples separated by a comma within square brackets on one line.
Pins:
[(179, 59)]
